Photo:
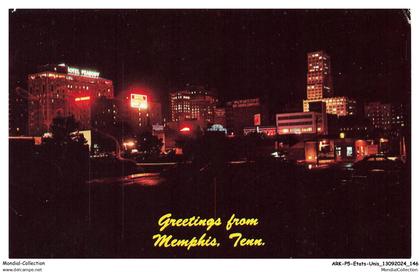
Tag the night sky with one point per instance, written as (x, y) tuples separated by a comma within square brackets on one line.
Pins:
[(239, 53)]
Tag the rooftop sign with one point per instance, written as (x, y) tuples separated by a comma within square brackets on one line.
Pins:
[(82, 72)]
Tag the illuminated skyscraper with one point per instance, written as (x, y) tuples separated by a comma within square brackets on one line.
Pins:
[(319, 87), (319, 80)]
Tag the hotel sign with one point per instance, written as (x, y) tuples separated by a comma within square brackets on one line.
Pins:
[(82, 72)]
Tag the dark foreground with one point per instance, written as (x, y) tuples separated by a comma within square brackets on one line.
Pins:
[(302, 213)]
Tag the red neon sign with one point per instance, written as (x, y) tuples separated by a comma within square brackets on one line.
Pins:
[(83, 98)]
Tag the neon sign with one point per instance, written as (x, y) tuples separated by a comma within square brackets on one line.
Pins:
[(83, 98), (138, 101), (89, 73), (82, 72), (73, 71)]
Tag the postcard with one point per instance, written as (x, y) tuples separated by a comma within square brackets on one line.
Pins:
[(210, 133)]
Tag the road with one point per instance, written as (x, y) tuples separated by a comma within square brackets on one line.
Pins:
[(302, 213)]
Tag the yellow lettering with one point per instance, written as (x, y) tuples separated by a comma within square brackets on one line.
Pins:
[(162, 240), (230, 222), (236, 235), (241, 222), (164, 221), (245, 241)]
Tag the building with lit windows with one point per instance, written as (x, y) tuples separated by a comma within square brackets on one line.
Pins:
[(319, 79), (385, 115), (193, 103), (399, 115), (62, 90), (319, 87), (340, 106), (379, 114), (105, 114), (301, 123)]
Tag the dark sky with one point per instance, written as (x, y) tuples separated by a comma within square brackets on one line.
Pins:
[(240, 53)]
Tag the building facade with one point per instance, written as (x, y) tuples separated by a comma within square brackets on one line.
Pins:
[(379, 114), (386, 115), (301, 123), (319, 79), (193, 103), (399, 115), (62, 90), (340, 106), (241, 114)]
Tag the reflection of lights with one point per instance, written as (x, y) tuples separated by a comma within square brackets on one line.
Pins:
[(185, 129)]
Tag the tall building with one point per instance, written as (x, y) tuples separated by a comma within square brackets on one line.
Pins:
[(319, 79), (193, 103), (320, 88), (62, 90)]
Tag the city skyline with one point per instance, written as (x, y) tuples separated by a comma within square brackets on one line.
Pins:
[(242, 58)]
